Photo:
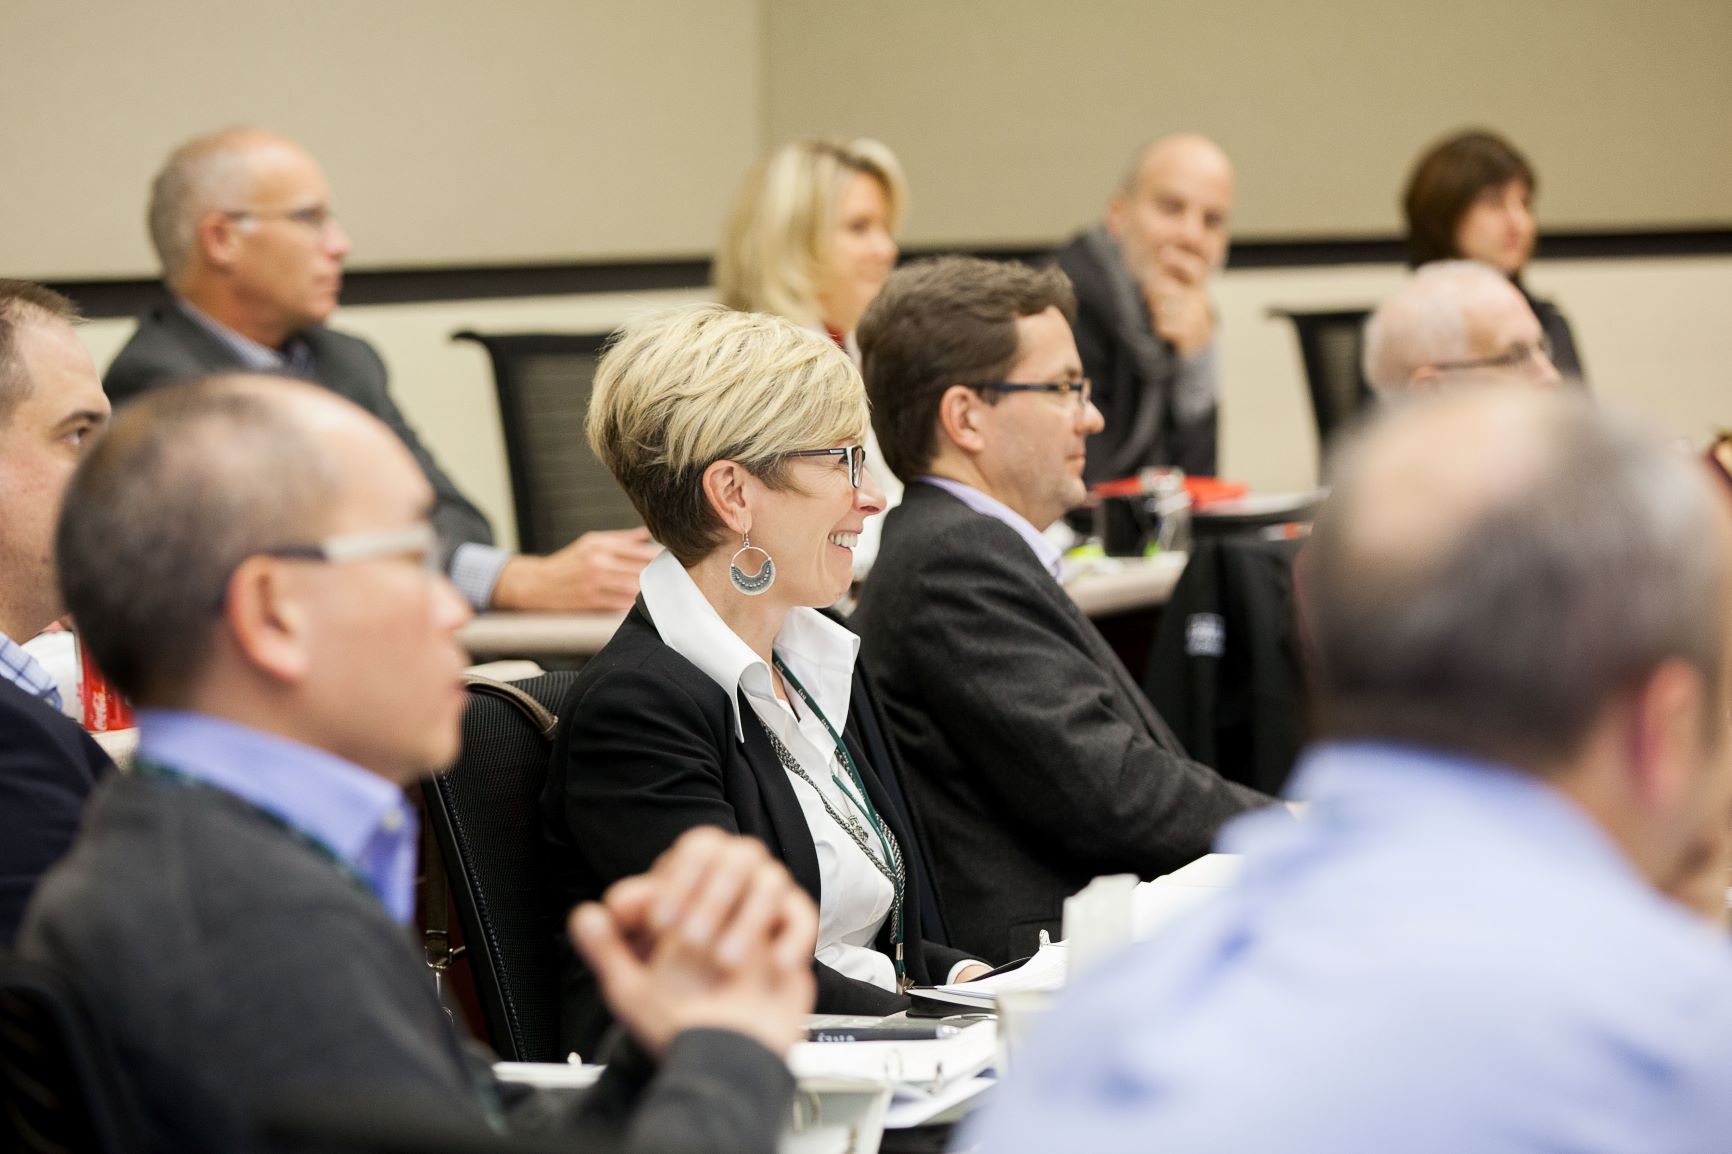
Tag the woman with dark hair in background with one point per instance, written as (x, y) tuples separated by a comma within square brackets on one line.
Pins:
[(1471, 198)]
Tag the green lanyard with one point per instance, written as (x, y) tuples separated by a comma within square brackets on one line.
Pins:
[(155, 771), (861, 801)]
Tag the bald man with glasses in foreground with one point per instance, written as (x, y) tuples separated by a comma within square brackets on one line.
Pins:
[(252, 564)]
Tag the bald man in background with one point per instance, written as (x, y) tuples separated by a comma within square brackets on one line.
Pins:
[(253, 254), (1145, 326), (1452, 323)]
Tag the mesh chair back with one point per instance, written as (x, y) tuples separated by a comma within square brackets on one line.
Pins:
[(60, 1087), (1330, 344), (485, 813), (558, 488)]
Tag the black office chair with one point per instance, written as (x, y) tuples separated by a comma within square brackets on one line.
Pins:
[(558, 488), (1226, 670), (485, 817), (1331, 344), (61, 1088)]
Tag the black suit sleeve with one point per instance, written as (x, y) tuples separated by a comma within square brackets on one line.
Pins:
[(47, 769), (1068, 768), (642, 764), (714, 1090)]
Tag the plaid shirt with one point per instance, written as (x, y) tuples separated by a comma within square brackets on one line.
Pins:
[(24, 671)]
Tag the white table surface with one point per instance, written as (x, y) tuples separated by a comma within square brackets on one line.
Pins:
[(1101, 587)]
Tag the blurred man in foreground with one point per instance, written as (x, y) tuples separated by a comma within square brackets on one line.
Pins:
[(253, 565), (1489, 932)]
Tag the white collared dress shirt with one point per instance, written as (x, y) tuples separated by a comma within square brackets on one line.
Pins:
[(820, 654)]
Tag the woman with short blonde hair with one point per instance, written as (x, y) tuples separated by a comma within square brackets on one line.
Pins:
[(726, 698)]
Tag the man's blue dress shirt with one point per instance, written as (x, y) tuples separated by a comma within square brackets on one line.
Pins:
[(358, 815), (1444, 956)]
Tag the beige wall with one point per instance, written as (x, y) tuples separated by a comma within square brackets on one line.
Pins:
[(452, 131), (557, 130), (1015, 116)]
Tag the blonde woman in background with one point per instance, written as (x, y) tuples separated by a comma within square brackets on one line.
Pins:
[(813, 238)]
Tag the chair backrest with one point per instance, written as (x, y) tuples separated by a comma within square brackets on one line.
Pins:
[(61, 1088), (485, 814), (1226, 670), (1330, 344), (558, 488)]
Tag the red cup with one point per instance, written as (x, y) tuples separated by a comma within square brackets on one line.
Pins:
[(102, 706)]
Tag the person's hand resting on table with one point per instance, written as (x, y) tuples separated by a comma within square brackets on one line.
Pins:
[(716, 935), (597, 573)]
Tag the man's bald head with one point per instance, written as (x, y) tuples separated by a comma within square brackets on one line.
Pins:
[(212, 173), (1177, 192), (1494, 566), (1448, 314), (190, 480), (1175, 151)]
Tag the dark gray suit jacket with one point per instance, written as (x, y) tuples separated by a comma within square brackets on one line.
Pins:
[(48, 766), (233, 967), (1033, 759), (170, 346)]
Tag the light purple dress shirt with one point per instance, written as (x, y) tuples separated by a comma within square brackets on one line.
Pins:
[(1045, 550), (364, 819)]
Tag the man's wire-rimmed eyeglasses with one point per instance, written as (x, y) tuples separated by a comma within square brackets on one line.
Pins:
[(1515, 358)]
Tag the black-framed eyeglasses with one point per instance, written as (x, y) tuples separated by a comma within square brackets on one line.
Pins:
[(315, 217), (1515, 358), (418, 543), (854, 455), (1078, 392)]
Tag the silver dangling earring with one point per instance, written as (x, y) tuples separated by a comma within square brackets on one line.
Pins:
[(758, 582)]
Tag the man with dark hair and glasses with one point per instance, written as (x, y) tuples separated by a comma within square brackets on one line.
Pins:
[(1034, 759), (252, 563), (1455, 322), (252, 253)]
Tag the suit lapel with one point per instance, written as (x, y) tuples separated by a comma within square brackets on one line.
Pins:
[(781, 806), (212, 355)]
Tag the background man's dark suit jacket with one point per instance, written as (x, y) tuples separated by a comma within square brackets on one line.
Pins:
[(1141, 429), (1032, 757), (646, 750), (48, 766), (170, 346)]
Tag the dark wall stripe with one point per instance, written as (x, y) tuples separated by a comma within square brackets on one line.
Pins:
[(120, 298)]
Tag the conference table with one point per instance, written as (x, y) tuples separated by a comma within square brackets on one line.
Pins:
[(1101, 586)]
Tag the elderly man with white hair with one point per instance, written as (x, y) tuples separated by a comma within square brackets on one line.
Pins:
[(1453, 322)]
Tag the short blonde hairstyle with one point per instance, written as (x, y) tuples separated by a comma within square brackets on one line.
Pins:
[(776, 248), (678, 391)]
